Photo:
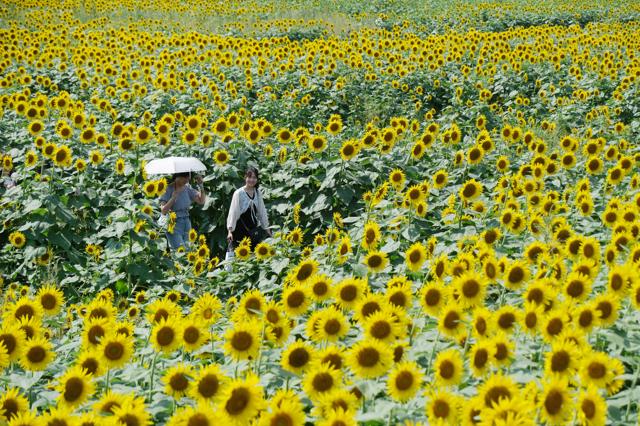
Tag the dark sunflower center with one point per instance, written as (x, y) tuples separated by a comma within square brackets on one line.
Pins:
[(238, 401), (241, 341), (322, 382), (299, 357), (368, 357), (114, 351), (553, 402), (404, 380)]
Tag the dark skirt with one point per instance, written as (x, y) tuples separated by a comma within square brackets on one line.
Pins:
[(245, 224)]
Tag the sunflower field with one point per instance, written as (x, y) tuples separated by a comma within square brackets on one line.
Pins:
[(453, 186)]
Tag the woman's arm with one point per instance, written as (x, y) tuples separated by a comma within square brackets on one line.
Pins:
[(167, 204), (201, 197), (234, 212), (262, 213)]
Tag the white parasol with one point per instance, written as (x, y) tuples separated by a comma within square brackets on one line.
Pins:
[(171, 165)]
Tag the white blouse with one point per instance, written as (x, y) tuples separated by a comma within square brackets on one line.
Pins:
[(240, 202)]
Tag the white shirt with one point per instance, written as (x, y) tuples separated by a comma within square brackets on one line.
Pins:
[(240, 202)]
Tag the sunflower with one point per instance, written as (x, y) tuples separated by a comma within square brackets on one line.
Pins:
[(252, 304), (194, 333), (433, 297), (599, 369), (13, 338), (506, 318), (62, 156), (503, 349), (381, 326), (470, 190), (400, 295), (50, 299), (556, 403), (241, 401), (75, 387), (296, 299), (295, 236), (451, 321), (17, 239), (263, 251), (60, 415), (336, 399), (321, 287), (496, 388), (516, 275), (37, 354), (317, 144), (343, 248), (208, 383), (443, 407), (320, 379), (242, 341), (202, 415), (369, 358), (221, 157), (397, 179), (177, 380), (303, 271), (553, 324), (328, 324), (404, 381), (448, 367), (414, 195), (418, 150), (297, 357), (607, 306), (338, 417), (415, 256), (591, 407), (440, 179), (206, 308), (284, 136), (91, 362), (95, 157), (23, 308), (349, 150), (132, 412), (13, 404), (161, 309), (470, 289), (376, 261), (30, 159), (480, 357), (165, 335), (350, 291), (371, 235), (115, 349)]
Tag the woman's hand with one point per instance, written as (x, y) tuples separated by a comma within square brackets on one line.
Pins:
[(229, 237)]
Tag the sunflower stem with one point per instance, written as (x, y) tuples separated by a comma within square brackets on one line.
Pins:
[(153, 370), (633, 386), (106, 388), (433, 350)]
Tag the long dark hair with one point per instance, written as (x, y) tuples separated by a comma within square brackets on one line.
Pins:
[(254, 171), (177, 175)]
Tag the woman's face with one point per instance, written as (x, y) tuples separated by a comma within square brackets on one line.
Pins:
[(183, 180), (251, 180)]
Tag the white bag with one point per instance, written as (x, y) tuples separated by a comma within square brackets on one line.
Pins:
[(163, 221), (228, 257)]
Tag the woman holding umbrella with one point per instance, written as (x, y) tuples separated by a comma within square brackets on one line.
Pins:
[(178, 198)]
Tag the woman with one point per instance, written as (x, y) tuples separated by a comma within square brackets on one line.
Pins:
[(247, 212), (178, 198)]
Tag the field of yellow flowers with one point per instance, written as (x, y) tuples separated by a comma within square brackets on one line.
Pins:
[(454, 188)]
